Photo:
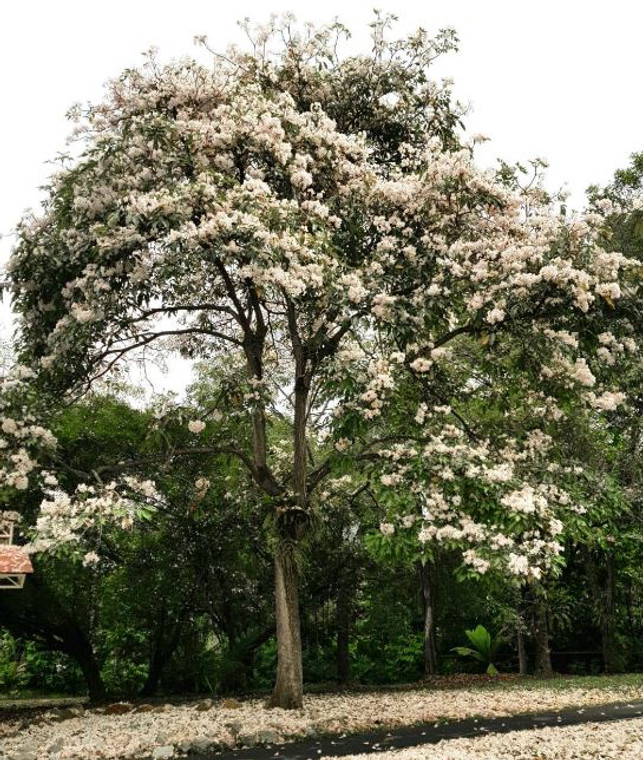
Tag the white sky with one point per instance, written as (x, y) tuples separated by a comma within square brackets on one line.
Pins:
[(560, 80)]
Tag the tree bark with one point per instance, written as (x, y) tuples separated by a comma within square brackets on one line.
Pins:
[(543, 666), (288, 692), (427, 576), (291, 524)]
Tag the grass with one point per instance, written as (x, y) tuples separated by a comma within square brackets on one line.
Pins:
[(464, 681), (564, 682), (37, 700)]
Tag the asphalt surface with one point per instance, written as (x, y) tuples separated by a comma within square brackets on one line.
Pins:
[(432, 733)]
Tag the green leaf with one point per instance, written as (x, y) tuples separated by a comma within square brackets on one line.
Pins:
[(467, 652), (480, 638)]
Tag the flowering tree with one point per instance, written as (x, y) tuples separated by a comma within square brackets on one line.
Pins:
[(316, 221)]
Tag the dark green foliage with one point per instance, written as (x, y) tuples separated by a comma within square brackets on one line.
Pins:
[(27, 667), (484, 648)]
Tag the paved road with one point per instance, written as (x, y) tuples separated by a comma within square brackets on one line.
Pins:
[(427, 734)]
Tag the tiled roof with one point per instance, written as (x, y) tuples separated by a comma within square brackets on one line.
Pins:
[(14, 559)]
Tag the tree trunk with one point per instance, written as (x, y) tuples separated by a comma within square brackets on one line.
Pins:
[(522, 601), (543, 666), (163, 650), (289, 686), (522, 649), (608, 625), (151, 684), (343, 633), (288, 691), (95, 686), (427, 576), (604, 593), (80, 649)]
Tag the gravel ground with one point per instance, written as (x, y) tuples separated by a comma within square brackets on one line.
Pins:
[(166, 731)]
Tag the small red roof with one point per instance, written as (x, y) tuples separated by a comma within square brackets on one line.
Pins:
[(14, 559)]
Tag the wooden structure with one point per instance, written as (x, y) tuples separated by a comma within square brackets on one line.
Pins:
[(14, 560)]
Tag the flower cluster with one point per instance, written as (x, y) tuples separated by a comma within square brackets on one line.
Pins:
[(22, 439), (76, 521), (502, 502)]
